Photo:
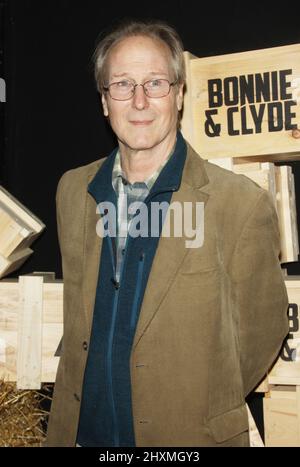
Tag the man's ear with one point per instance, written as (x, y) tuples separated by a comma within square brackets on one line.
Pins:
[(179, 97), (104, 105)]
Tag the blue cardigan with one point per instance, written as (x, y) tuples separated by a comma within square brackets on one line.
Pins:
[(106, 408)]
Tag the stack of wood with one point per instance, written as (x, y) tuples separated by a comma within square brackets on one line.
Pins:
[(31, 329), (18, 229)]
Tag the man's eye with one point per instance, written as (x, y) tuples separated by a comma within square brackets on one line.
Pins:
[(155, 83), (124, 84)]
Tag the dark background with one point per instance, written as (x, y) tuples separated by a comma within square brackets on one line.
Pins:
[(52, 120)]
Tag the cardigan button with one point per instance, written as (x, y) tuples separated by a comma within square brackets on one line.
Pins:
[(85, 345)]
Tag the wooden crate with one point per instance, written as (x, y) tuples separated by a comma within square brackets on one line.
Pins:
[(31, 327), (286, 370), (282, 416), (227, 94), (19, 227)]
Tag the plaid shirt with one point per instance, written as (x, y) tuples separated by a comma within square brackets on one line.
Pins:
[(128, 193)]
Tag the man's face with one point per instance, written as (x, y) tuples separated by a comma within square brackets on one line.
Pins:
[(142, 122)]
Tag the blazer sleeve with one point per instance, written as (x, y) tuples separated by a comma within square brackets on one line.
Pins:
[(59, 208), (259, 292)]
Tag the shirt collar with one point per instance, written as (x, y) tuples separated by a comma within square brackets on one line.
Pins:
[(117, 172), (169, 179)]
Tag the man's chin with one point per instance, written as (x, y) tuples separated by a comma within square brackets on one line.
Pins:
[(139, 144)]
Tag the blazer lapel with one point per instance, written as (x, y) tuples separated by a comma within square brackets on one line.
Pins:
[(91, 258), (171, 251)]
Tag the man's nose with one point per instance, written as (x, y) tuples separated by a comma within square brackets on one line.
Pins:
[(140, 100)]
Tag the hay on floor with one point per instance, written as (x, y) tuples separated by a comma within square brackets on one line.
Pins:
[(22, 418)]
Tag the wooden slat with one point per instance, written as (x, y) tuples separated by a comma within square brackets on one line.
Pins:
[(286, 208), (19, 227), (29, 361), (282, 417), (287, 367), (254, 435)]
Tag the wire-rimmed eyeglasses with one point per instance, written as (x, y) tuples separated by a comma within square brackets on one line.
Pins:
[(125, 89)]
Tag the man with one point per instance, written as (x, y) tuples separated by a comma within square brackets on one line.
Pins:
[(162, 339)]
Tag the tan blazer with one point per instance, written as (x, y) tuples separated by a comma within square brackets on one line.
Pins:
[(212, 319)]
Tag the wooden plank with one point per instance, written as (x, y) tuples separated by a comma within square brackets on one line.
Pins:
[(279, 181), (298, 409), (52, 327), (29, 353), (13, 234), (18, 210), (286, 370), (281, 417), (287, 216), (9, 310), (13, 261), (245, 104), (19, 227), (254, 435)]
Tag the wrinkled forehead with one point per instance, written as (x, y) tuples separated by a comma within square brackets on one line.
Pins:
[(139, 54)]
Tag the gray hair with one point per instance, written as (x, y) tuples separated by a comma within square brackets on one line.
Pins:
[(153, 29)]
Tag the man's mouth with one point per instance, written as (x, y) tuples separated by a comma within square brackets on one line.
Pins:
[(141, 122)]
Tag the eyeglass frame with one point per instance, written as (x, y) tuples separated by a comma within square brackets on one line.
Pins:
[(106, 89)]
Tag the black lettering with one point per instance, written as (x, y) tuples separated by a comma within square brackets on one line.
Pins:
[(211, 128), (293, 317), (262, 86), (284, 84), (231, 130), (231, 91), (287, 352), (215, 98), (288, 125), (274, 79), (245, 130), (257, 117), (246, 89), (275, 119)]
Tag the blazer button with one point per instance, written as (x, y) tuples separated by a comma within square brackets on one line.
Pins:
[(85, 345), (76, 397)]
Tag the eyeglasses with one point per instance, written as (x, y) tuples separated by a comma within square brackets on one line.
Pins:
[(124, 90)]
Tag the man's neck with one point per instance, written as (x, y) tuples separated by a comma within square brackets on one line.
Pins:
[(139, 165)]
